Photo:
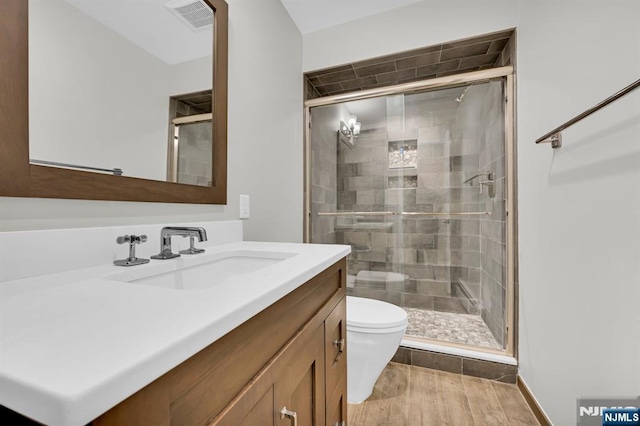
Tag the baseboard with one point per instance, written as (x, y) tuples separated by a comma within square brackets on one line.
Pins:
[(532, 402)]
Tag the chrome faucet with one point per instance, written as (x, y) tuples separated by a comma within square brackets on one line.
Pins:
[(183, 231), (489, 183)]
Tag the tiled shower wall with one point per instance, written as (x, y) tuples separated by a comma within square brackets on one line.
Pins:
[(432, 251), (195, 154), (323, 132), (481, 117)]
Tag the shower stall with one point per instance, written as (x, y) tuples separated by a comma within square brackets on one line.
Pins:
[(417, 179)]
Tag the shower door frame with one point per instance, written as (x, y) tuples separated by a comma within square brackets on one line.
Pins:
[(502, 73)]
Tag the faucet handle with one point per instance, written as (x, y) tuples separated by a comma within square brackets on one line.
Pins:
[(132, 260), (192, 248), (131, 239)]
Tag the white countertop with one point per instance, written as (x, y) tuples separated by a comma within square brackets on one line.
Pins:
[(75, 344)]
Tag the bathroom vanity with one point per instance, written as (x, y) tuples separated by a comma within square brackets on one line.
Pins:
[(289, 358), (245, 333)]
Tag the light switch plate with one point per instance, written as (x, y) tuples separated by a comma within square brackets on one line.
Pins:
[(244, 207)]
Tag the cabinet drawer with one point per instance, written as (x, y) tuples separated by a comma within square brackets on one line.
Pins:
[(337, 404), (335, 345)]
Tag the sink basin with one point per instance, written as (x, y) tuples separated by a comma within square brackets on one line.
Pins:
[(204, 271)]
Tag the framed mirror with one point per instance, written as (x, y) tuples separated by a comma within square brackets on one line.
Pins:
[(120, 100)]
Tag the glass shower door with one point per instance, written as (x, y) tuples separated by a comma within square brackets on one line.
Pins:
[(456, 246), (418, 195)]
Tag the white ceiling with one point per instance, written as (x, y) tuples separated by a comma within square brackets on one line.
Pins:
[(314, 15), (151, 26)]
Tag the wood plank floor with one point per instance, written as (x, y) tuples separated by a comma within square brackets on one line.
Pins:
[(411, 396)]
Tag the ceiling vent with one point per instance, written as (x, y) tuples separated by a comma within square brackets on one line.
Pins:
[(195, 13)]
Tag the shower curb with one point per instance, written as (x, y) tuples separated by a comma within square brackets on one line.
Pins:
[(495, 371)]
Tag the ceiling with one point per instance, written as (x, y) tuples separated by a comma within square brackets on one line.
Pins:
[(151, 26), (314, 15)]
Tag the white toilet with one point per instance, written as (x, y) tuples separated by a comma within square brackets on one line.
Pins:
[(374, 332)]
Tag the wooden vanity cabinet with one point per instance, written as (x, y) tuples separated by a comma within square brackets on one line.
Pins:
[(290, 356)]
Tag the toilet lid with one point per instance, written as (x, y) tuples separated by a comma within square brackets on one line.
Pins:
[(369, 313)]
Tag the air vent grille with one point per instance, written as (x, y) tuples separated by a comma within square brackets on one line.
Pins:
[(196, 14)]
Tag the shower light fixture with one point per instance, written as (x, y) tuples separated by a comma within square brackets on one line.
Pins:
[(352, 128)]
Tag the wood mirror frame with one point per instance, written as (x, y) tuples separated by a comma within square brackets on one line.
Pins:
[(19, 178)]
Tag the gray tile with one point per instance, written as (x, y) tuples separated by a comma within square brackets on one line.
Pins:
[(495, 325), (436, 361), (430, 62), (463, 52), (359, 83), (398, 56), (336, 77), (498, 45), (329, 88), (418, 61), (347, 197), (489, 370), (325, 71), (402, 356), (376, 69), (448, 304), (449, 65), (477, 61), (393, 298), (434, 288), (419, 301), (314, 80), (348, 170), (422, 241), (394, 77)]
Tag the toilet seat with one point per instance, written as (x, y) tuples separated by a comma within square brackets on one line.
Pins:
[(373, 316)]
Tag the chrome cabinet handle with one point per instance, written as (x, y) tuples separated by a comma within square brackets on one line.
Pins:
[(290, 414), (340, 345), (343, 423)]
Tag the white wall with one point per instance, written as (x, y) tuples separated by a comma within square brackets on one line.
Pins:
[(417, 25), (579, 207), (265, 142)]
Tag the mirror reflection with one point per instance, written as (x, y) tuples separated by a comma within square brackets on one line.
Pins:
[(122, 87)]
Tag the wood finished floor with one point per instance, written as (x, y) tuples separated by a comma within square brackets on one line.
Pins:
[(413, 396)]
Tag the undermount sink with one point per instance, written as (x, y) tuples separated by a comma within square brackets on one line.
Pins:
[(203, 271)]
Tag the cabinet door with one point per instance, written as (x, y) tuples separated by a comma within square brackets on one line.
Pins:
[(253, 407), (337, 405), (300, 389), (262, 412), (335, 345)]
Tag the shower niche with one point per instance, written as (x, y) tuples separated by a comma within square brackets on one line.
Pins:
[(403, 154)]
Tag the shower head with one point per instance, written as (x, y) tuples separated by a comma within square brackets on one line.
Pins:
[(461, 97)]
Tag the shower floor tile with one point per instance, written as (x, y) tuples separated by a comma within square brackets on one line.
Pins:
[(450, 327)]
